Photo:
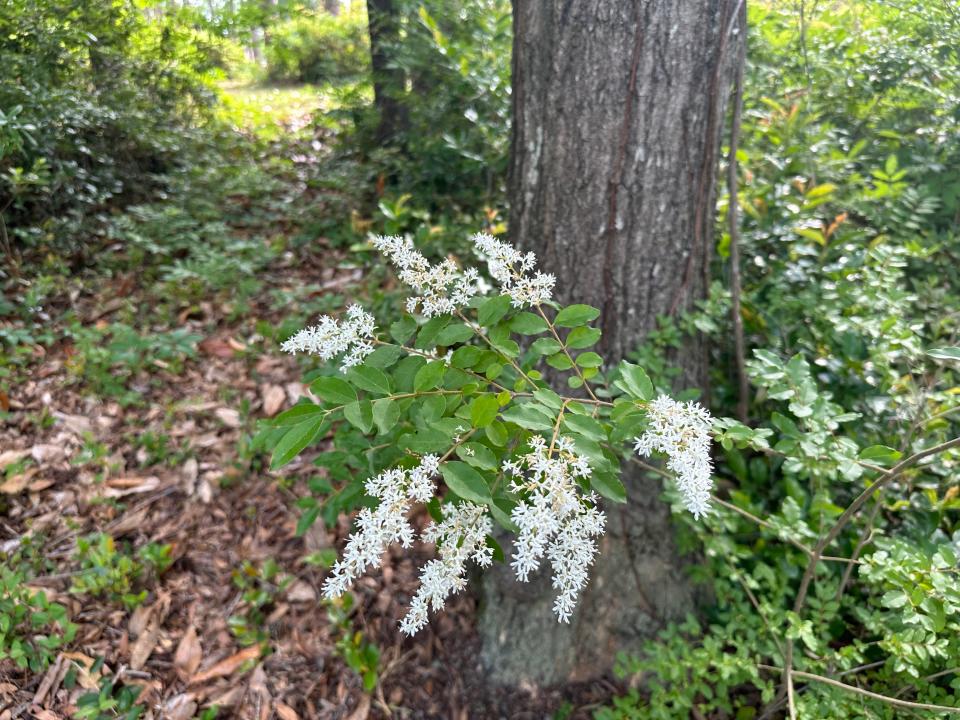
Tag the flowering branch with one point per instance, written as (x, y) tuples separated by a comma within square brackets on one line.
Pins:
[(454, 370)]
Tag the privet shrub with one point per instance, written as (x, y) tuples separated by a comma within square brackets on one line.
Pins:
[(449, 408)]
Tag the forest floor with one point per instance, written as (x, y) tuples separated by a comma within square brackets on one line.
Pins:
[(128, 417)]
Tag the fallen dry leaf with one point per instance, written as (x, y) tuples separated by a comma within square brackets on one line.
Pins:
[(41, 714), (362, 710), (147, 641), (118, 487), (273, 398), (227, 666), (51, 681), (77, 424), (144, 645), (285, 712), (216, 348), (228, 416), (180, 707), (17, 483), (301, 592), (189, 653), (47, 452), (189, 473), (8, 457), (257, 688)]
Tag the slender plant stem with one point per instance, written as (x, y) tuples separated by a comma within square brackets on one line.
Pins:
[(733, 220), (801, 675), (566, 352)]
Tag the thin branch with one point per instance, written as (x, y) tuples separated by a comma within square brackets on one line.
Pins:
[(733, 219), (800, 674)]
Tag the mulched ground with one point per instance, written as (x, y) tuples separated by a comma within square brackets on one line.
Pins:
[(218, 510)]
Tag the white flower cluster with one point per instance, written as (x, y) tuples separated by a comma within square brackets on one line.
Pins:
[(512, 270), (555, 518), (442, 287), (384, 525), (461, 537), (332, 337), (682, 432)]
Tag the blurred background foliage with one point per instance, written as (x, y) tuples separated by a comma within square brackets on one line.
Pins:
[(195, 143)]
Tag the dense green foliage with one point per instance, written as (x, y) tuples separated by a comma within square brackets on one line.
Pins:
[(95, 101)]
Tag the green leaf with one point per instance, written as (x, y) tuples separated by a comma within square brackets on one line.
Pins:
[(608, 485), (360, 415), (386, 412), (586, 426), (576, 315), (427, 337), (429, 376), (560, 361), (298, 414), (502, 516), (493, 310), (548, 397), (582, 337), (454, 334), (880, 453), (403, 329), (477, 455), (294, 441), (333, 390), (466, 356), (945, 353), (306, 520), (383, 357), (370, 379), (497, 433), (635, 381), (530, 416), (466, 482), (499, 337), (545, 346), (426, 441), (483, 410), (527, 323), (589, 360)]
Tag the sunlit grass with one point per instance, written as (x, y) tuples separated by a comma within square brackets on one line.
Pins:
[(272, 110)]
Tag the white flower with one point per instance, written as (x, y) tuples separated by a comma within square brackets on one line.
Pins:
[(556, 519), (511, 269), (461, 537), (386, 524), (442, 287), (682, 432), (329, 338)]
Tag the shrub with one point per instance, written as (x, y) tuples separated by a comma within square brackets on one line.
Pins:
[(319, 48)]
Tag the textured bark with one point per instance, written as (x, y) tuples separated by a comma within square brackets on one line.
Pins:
[(388, 82), (617, 110)]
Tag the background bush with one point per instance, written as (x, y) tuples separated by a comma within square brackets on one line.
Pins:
[(315, 47)]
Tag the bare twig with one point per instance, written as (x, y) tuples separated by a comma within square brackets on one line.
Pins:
[(733, 220), (801, 675)]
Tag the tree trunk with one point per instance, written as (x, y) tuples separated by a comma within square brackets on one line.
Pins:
[(332, 6), (618, 108), (388, 82)]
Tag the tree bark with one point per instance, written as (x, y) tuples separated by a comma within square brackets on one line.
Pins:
[(618, 109), (388, 82)]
